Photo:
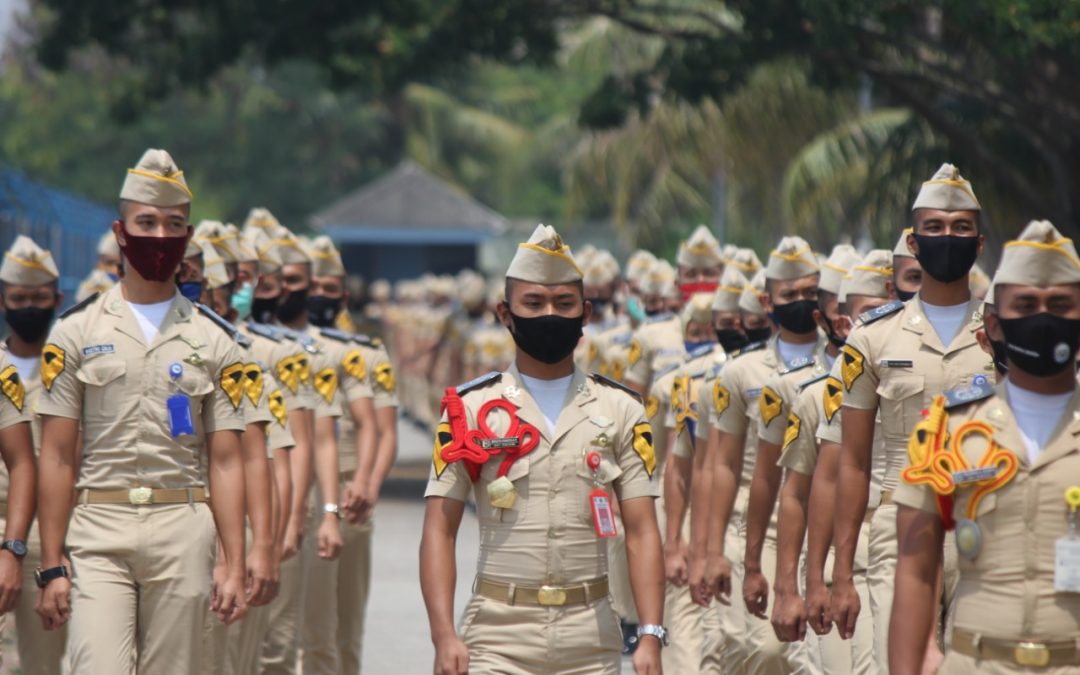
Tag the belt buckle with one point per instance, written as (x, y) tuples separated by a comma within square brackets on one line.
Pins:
[(551, 596), (141, 496), (1032, 654)]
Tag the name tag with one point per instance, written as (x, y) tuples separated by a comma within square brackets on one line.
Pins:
[(603, 515), (499, 443), (98, 349), (975, 475), (752, 394), (180, 421), (896, 363)]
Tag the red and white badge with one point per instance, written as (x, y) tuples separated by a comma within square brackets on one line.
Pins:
[(602, 515)]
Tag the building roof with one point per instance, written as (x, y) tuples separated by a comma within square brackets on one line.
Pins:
[(408, 205)]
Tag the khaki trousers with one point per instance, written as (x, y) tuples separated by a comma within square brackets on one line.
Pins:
[(335, 602), (234, 650), (767, 654), (140, 588), (41, 652), (520, 640), (278, 653), (958, 664)]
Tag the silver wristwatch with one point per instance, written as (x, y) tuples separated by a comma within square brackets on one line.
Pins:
[(659, 632), (332, 508)]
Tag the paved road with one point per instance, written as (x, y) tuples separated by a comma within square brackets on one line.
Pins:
[(397, 639)]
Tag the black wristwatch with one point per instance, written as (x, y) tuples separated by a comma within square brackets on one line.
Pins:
[(16, 546), (43, 577)]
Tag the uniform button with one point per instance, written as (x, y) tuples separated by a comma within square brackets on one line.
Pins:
[(551, 533), (1030, 573)]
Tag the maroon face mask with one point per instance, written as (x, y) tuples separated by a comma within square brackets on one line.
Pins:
[(689, 290), (154, 258)]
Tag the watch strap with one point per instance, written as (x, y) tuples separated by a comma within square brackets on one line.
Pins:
[(43, 577), (15, 545), (658, 632)]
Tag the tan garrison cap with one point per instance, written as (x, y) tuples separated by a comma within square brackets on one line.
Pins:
[(837, 266), (156, 180), (947, 191), (603, 269), (638, 264), (107, 245), (215, 233), (750, 300), (732, 285), (471, 290), (262, 219), (868, 277), (265, 251), (728, 251), (746, 261), (544, 259), (325, 258), (791, 259), (660, 279), (97, 281), (700, 250), (245, 252), (698, 308), (1040, 256), (289, 248), (214, 271), (193, 248), (27, 264), (901, 248)]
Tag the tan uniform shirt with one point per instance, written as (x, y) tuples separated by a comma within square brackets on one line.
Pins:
[(326, 373), (656, 344), (830, 414), (799, 451), (684, 414), (1007, 590), (778, 394), (548, 536), (290, 362), (354, 370), (267, 348), (97, 368), (896, 364), (15, 406)]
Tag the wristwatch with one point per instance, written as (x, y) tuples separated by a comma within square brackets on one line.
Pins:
[(332, 508), (43, 577), (16, 546), (658, 632)]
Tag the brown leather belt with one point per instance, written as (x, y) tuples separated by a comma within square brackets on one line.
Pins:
[(1020, 652), (144, 496), (543, 596)]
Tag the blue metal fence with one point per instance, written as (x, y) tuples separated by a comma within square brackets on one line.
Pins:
[(67, 225)]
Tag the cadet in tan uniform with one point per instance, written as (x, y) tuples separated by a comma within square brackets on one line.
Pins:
[(549, 450), (907, 273), (658, 345), (1012, 496), (895, 362), (158, 390), (29, 298), (337, 590), (816, 406), (791, 293)]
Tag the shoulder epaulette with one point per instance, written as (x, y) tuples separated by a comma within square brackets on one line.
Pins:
[(368, 340), (265, 330), (812, 380), (752, 347), (880, 312), (657, 318), (79, 306), (304, 339), (699, 373), (487, 378), (797, 363), (597, 377), (336, 334), (623, 339), (702, 350), (979, 389), (667, 369), (224, 325)]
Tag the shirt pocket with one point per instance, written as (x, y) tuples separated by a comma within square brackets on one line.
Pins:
[(584, 483), (518, 475), (901, 404), (196, 384), (102, 376)]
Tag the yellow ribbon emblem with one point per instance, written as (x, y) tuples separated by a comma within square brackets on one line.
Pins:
[(278, 409), (52, 364), (851, 366), (443, 438), (384, 375), (326, 383), (232, 383), (288, 373), (13, 387), (618, 370), (769, 404), (253, 383), (643, 446), (652, 406), (721, 399), (303, 368), (791, 432), (832, 397), (354, 365), (635, 352)]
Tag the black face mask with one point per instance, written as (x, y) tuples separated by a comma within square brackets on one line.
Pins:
[(292, 305), (797, 316), (1042, 344), (323, 310), (947, 258), (548, 339), (263, 310), (830, 333), (731, 339), (758, 334), (999, 356), (904, 296), (30, 323)]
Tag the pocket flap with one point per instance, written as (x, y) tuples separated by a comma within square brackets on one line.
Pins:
[(899, 387), (101, 371)]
